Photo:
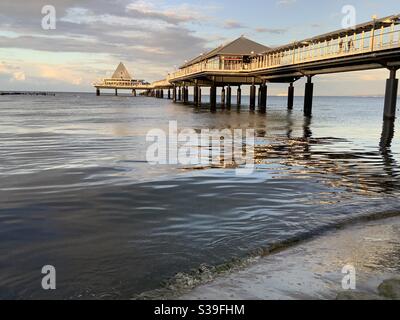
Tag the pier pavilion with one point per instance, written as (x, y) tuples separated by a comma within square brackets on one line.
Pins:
[(121, 79)]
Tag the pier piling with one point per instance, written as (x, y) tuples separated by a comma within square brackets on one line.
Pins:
[(174, 93), (392, 85), (213, 97), (291, 96), (228, 97), (97, 92), (223, 97), (263, 97), (116, 92), (199, 97), (308, 97), (239, 96), (253, 97), (195, 93)]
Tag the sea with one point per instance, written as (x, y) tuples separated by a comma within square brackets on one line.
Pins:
[(78, 193)]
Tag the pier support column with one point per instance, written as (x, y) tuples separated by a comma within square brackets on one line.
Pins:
[(180, 93), (196, 94), (116, 92), (308, 97), (98, 92), (186, 95), (174, 94), (263, 97), (162, 94), (199, 97), (134, 92), (253, 97), (290, 96), (228, 97), (239, 96), (213, 97), (169, 94), (392, 85), (223, 97)]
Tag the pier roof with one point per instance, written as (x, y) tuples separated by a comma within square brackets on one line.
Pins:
[(121, 73), (238, 47)]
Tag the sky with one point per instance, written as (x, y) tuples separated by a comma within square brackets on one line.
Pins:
[(153, 37)]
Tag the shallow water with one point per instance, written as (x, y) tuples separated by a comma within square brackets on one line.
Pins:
[(76, 191)]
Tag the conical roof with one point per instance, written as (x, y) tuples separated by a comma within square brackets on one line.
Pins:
[(121, 73)]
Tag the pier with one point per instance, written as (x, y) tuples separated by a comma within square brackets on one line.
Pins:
[(368, 46)]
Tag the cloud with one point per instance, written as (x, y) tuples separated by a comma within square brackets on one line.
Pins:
[(286, 2), (233, 24), (270, 30), (12, 72)]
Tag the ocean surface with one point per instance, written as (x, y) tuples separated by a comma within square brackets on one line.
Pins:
[(76, 191)]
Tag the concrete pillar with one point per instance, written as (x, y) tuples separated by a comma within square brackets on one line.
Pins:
[(180, 93), (116, 91), (239, 96), (259, 103), (169, 94), (134, 92), (253, 97), (97, 92), (392, 85), (228, 97), (162, 94), (308, 97), (213, 97), (263, 97), (290, 96), (223, 97)]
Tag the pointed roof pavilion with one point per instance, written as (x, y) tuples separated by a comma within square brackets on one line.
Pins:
[(121, 73), (239, 47)]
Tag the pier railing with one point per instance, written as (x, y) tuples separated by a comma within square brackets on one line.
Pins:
[(345, 43)]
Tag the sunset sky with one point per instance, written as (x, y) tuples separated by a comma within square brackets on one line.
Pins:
[(152, 37)]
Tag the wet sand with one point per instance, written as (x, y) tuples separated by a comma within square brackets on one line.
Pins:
[(313, 269)]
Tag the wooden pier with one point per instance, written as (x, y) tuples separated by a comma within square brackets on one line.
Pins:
[(372, 45)]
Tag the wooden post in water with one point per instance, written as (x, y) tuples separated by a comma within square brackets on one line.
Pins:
[(253, 97), (223, 97), (199, 97), (174, 93), (213, 97), (308, 97), (392, 85), (263, 97), (239, 96), (229, 97), (196, 93), (291, 96)]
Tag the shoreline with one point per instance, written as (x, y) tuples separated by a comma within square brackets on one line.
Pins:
[(312, 270)]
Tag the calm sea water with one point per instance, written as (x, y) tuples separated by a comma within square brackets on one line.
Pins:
[(77, 193)]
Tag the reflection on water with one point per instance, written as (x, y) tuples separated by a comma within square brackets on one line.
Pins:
[(76, 190)]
